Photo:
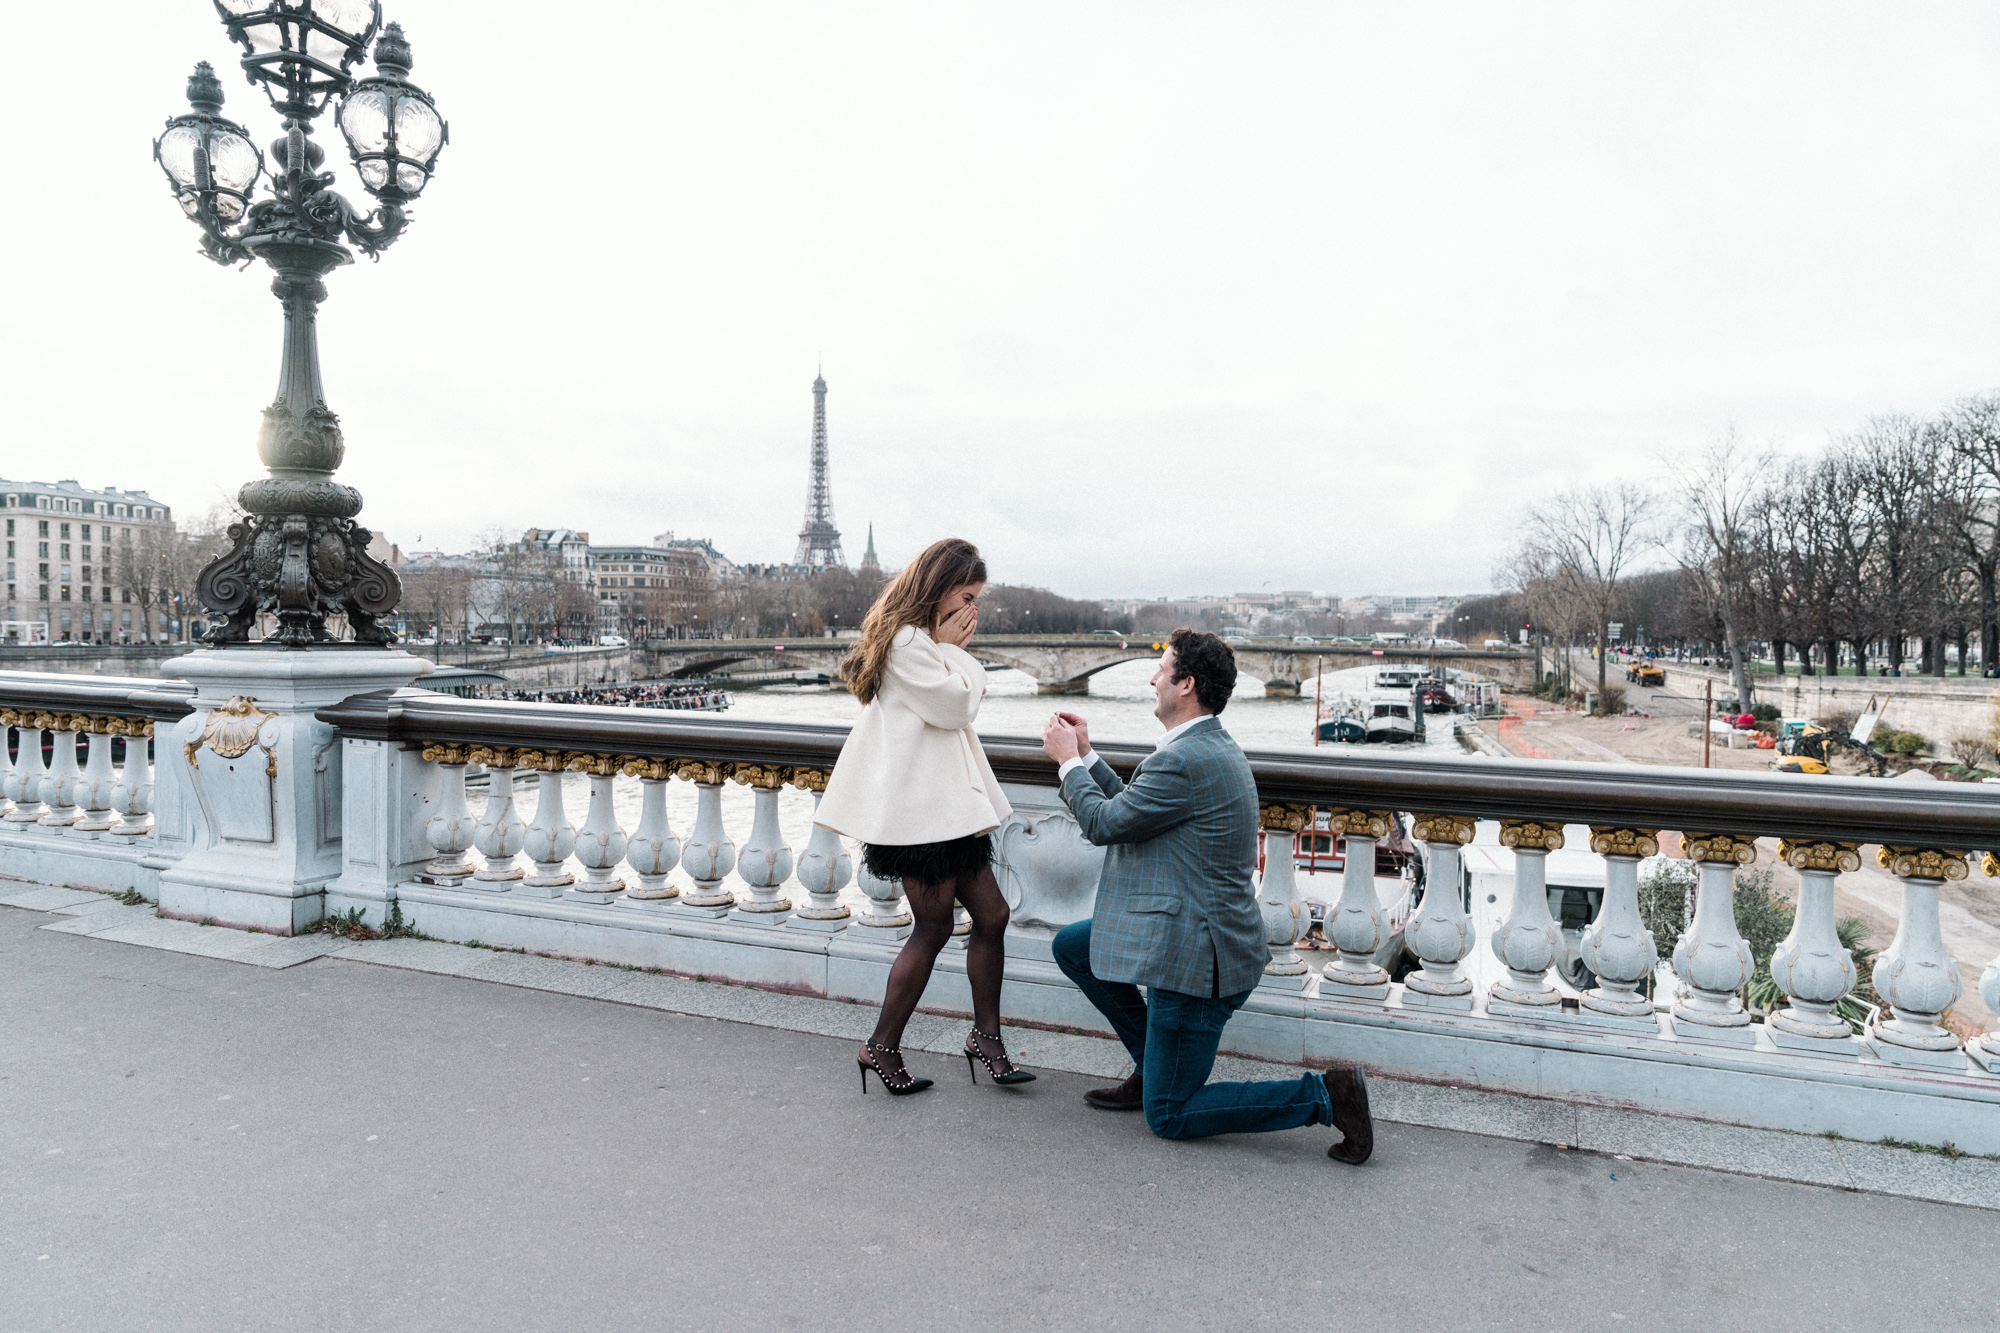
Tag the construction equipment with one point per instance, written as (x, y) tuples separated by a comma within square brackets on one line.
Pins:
[(1650, 674), (1806, 751)]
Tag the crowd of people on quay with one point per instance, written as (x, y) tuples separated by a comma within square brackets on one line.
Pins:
[(702, 698)]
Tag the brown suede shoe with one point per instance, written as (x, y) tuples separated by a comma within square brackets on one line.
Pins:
[(1127, 1096), (1348, 1087)]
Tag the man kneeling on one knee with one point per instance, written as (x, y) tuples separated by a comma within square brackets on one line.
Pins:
[(1177, 913)]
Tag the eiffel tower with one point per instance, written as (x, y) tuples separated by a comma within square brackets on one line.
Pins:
[(819, 539)]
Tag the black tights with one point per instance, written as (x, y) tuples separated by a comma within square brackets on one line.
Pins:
[(985, 952)]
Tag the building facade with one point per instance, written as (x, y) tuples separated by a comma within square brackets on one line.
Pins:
[(90, 566), (653, 591)]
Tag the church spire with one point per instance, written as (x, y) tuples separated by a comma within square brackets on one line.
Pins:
[(869, 564)]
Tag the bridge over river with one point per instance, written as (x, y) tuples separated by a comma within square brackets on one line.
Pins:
[(1064, 664)]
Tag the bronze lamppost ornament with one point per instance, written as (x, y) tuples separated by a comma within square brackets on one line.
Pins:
[(298, 556)]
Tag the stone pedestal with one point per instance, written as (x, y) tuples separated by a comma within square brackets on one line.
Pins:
[(263, 779)]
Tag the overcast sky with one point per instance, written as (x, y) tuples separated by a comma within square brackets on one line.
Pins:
[(1144, 299)]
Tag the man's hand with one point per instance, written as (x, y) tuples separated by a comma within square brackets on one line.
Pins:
[(1082, 730), (1059, 740)]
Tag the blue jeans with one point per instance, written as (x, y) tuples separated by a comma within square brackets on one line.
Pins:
[(1172, 1040)]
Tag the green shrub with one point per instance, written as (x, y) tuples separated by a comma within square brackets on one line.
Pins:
[(1891, 741), (1765, 712)]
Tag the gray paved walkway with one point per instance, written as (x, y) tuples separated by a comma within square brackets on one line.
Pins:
[(192, 1143)]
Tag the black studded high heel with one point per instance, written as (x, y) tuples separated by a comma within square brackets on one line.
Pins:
[(898, 1087), (973, 1050)]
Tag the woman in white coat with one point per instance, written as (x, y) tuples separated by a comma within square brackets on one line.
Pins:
[(913, 786)]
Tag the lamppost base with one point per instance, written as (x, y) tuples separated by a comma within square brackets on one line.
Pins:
[(255, 779)]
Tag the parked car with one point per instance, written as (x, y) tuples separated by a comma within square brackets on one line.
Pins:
[(612, 641)]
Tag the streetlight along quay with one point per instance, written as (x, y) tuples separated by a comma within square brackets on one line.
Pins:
[(298, 555), (267, 831)]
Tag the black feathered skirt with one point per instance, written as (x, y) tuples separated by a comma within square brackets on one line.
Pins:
[(928, 862)]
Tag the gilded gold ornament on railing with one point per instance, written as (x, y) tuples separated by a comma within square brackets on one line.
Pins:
[(1819, 855), (1612, 840), (542, 761), (702, 771), (493, 756), (655, 770), (1989, 865), (1719, 848), (447, 754), (1361, 823), (1445, 828), (810, 779), (1922, 862), (1531, 834), (597, 765), (1276, 817), (767, 776)]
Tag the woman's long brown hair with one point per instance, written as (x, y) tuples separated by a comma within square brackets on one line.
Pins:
[(911, 598)]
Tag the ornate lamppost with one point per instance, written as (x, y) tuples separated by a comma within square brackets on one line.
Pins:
[(298, 555), (251, 770)]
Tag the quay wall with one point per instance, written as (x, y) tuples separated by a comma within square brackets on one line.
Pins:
[(1938, 710)]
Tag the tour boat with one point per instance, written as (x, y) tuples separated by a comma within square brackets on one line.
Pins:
[(1392, 717), (1436, 697), (1341, 719), (1397, 677)]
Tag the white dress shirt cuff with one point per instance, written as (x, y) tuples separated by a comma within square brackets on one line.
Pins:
[(1084, 760)]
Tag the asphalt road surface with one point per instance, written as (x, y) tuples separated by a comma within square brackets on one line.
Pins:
[(194, 1144)]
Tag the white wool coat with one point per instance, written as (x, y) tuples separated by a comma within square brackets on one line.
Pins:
[(913, 770)]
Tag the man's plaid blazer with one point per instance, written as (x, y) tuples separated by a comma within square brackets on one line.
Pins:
[(1176, 904)]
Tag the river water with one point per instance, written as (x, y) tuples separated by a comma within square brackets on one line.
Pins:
[(1119, 707)]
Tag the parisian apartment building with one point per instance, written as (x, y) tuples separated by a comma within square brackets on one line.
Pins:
[(88, 566)]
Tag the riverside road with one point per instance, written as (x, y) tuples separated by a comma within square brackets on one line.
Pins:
[(195, 1144)]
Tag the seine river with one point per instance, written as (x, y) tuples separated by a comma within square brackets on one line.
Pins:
[(1119, 707)]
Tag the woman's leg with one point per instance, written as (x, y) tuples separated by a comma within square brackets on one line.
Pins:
[(986, 950), (930, 905)]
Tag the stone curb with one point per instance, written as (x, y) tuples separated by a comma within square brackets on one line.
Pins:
[(1618, 1133)]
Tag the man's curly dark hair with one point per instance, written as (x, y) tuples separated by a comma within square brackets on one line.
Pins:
[(1209, 661)]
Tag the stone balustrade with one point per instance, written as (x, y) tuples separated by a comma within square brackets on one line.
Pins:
[(574, 850)]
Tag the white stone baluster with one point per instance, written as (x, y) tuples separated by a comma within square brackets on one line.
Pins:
[(600, 842), (551, 837), (765, 861), (25, 786), (1617, 946), (652, 851), (1358, 924), (1812, 966), (708, 855), (888, 917), (1914, 976), (1986, 1050), (132, 794), (1440, 932), (450, 830), (825, 868), (1278, 897), (1712, 958), (500, 834), (10, 785), (1528, 942), (59, 787), (94, 791)]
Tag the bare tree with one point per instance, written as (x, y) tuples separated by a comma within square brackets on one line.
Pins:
[(1580, 542), (1972, 430), (1719, 487)]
